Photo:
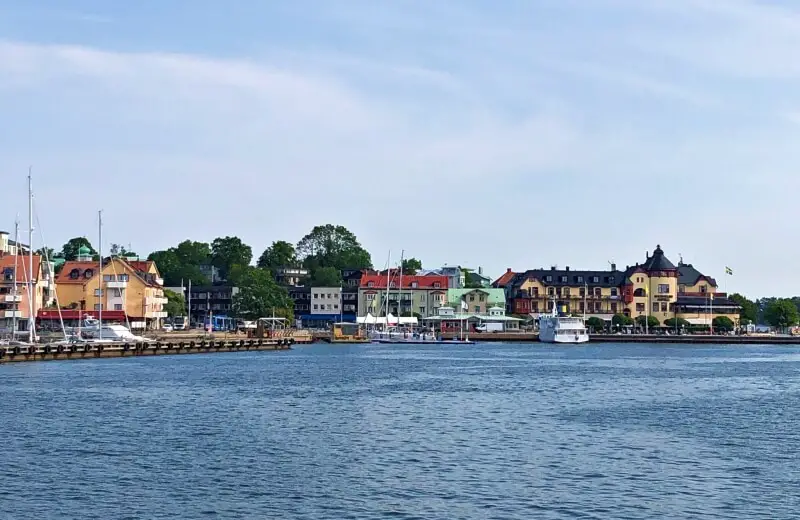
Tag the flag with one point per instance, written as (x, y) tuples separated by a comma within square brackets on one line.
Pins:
[(728, 271), (464, 305)]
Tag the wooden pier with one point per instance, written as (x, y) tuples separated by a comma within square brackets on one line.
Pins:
[(54, 352)]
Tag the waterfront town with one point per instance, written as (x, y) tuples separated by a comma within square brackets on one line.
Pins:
[(653, 292)]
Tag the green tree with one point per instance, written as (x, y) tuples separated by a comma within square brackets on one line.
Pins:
[(781, 313), (193, 253), (332, 246), (46, 252), (651, 321), (411, 266), (326, 277), (176, 270), (279, 254), (595, 324), (70, 250), (259, 295), (176, 303), (722, 323), (749, 311), (120, 250), (620, 320), (679, 323), (229, 251)]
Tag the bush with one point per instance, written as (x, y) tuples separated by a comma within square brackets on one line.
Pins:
[(676, 322), (651, 321), (595, 324), (723, 323)]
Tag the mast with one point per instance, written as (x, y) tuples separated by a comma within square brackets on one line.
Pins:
[(400, 289), (31, 308), (388, 282), (16, 268), (189, 305), (100, 273)]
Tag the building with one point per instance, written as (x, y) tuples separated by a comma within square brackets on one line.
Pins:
[(291, 276), (595, 293), (9, 247), (212, 273), (476, 301), (656, 288), (15, 302), (132, 286), (212, 304), (301, 296), (456, 278), (477, 278), (325, 308), (419, 295), (450, 320)]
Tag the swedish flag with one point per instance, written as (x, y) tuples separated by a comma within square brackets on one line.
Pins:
[(728, 271)]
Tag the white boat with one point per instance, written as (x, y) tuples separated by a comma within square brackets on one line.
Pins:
[(405, 335), (562, 329)]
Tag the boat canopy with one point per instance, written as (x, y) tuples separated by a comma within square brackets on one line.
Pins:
[(369, 319)]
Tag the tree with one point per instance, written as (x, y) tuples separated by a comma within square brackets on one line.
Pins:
[(595, 324), (332, 246), (176, 303), (722, 323), (259, 295), (674, 323), (70, 250), (193, 253), (229, 251), (620, 320), (279, 254), (46, 253), (651, 321), (749, 312), (176, 271), (411, 266), (326, 277), (120, 250), (781, 313)]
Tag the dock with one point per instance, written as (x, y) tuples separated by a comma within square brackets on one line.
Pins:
[(57, 352)]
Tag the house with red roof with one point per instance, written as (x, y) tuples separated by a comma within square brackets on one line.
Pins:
[(420, 295)]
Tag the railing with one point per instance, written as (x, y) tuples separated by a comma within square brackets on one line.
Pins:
[(12, 298), (116, 284), (11, 314)]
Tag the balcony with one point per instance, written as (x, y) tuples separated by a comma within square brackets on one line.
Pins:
[(11, 314), (8, 298), (155, 300), (159, 281), (117, 284), (159, 314)]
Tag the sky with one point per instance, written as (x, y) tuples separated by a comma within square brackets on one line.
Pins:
[(513, 134)]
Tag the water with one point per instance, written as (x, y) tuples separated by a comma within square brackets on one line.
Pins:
[(430, 432)]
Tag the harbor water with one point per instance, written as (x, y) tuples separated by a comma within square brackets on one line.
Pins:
[(505, 431)]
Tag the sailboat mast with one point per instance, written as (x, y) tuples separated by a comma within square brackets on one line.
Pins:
[(100, 273), (16, 268), (400, 289), (388, 282), (31, 296)]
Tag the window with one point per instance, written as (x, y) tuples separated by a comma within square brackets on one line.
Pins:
[(482, 298), (477, 308), (98, 292), (122, 278), (98, 306), (437, 285), (595, 279), (116, 293), (663, 306), (422, 310), (534, 306), (703, 289), (613, 291), (597, 306), (118, 307), (370, 284), (614, 308), (316, 296), (655, 306), (548, 278), (472, 297), (317, 306), (109, 277), (580, 279), (611, 279), (437, 298), (330, 295), (639, 307), (598, 292), (330, 307), (336, 306), (551, 291), (583, 291), (564, 279), (414, 285), (663, 288), (566, 292), (581, 307)]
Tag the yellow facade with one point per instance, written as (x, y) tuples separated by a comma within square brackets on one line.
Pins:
[(119, 287)]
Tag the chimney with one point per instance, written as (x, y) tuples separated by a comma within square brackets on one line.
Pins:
[(480, 270), (508, 269), (613, 267), (567, 268)]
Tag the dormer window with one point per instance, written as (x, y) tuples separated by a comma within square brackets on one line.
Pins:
[(74, 274), (564, 279), (414, 285), (88, 273), (579, 279), (392, 285), (436, 285), (370, 284), (548, 278), (595, 279)]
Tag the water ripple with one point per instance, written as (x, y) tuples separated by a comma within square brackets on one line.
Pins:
[(376, 432)]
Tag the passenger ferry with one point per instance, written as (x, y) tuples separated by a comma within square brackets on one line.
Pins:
[(562, 329)]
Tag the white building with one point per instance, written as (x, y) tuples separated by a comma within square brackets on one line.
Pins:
[(325, 306)]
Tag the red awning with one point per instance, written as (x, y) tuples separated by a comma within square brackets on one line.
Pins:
[(70, 314)]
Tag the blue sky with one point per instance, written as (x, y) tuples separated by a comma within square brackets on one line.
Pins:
[(519, 133)]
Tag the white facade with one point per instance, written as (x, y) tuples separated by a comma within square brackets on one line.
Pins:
[(326, 300)]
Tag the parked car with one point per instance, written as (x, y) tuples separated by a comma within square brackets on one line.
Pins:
[(167, 327)]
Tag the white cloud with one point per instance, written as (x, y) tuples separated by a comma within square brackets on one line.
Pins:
[(513, 148)]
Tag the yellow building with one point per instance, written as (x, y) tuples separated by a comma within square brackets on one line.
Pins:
[(655, 288), (125, 285)]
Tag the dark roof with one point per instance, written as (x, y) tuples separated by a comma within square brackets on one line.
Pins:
[(573, 278), (702, 301), (688, 275), (658, 262)]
